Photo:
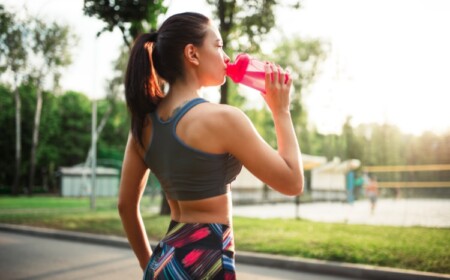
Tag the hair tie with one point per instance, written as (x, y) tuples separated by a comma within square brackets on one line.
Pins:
[(153, 37)]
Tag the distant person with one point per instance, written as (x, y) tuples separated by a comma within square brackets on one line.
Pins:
[(350, 185), (196, 148), (372, 192), (359, 184), (366, 181)]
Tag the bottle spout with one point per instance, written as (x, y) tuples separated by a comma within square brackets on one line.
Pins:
[(236, 70)]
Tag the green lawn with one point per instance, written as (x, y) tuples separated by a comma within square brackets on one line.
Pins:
[(418, 248)]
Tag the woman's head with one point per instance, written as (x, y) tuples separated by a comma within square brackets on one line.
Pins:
[(159, 57)]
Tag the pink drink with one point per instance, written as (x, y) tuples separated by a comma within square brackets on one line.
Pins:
[(248, 71), (256, 80)]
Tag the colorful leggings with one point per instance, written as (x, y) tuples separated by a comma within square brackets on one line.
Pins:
[(193, 251)]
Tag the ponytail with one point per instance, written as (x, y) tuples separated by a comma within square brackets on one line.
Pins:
[(157, 58), (142, 83)]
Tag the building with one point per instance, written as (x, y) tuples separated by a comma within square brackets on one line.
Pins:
[(76, 181)]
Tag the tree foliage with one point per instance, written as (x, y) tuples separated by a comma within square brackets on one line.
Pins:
[(65, 134), (13, 53), (131, 17), (13, 58)]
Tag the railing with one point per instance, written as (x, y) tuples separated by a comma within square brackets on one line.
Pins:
[(406, 168), (415, 186), (443, 184)]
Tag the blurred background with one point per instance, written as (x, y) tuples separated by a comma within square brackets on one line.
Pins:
[(369, 101)]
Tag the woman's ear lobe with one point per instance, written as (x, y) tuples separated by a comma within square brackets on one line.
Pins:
[(191, 54)]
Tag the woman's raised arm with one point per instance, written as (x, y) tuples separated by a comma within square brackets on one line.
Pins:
[(281, 169)]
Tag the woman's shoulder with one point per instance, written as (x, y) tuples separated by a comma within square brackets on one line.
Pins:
[(226, 124), (223, 111), (223, 116)]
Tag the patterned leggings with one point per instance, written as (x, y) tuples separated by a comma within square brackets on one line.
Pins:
[(193, 251)]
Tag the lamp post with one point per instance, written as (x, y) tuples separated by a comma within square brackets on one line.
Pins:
[(93, 153), (94, 130)]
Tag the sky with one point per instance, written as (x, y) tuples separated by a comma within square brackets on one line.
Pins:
[(387, 61)]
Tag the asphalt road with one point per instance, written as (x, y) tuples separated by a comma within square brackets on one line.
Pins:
[(30, 257)]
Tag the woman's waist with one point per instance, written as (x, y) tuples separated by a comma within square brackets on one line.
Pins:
[(203, 217), (211, 210)]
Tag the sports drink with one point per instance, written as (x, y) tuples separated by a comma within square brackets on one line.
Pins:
[(248, 71)]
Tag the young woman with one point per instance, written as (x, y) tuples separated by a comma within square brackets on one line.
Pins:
[(195, 148)]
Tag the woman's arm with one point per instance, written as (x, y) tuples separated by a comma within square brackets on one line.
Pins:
[(282, 169), (133, 180)]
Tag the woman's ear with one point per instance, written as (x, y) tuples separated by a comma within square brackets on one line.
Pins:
[(191, 54)]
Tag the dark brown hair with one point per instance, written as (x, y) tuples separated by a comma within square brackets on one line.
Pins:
[(156, 58)]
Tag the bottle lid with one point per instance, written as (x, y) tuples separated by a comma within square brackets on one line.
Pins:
[(236, 70)]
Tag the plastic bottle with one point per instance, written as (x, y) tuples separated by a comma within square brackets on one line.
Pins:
[(248, 71)]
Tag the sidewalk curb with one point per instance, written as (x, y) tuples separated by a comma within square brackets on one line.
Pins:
[(259, 259)]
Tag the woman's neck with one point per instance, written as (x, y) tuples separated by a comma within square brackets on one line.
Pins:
[(178, 95), (182, 91)]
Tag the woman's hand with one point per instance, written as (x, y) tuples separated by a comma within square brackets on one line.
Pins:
[(278, 85)]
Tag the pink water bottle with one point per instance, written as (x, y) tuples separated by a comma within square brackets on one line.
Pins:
[(248, 71)]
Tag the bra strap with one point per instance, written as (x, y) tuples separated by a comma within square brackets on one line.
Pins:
[(192, 103)]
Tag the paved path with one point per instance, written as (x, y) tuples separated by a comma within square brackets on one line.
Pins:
[(30, 257), (401, 212)]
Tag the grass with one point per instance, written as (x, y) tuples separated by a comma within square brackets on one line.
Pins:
[(417, 248)]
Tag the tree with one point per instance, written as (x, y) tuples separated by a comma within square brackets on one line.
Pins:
[(302, 57), (50, 44), (48, 151), (13, 57), (131, 17), (243, 26), (353, 146), (74, 111), (7, 114)]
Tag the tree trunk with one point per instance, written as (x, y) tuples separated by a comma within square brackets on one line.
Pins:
[(224, 93), (37, 121), (15, 187)]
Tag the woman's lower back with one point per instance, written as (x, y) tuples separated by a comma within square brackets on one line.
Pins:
[(210, 210)]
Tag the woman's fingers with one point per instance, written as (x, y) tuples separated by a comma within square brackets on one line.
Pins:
[(282, 75), (268, 73), (276, 77), (275, 73)]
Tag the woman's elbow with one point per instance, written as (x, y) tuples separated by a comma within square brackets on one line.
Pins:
[(297, 189), (124, 207), (121, 207), (297, 185), (300, 189)]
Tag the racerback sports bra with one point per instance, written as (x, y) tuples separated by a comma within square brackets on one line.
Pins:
[(184, 172)]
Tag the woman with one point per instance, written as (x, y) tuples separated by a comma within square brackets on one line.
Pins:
[(195, 148)]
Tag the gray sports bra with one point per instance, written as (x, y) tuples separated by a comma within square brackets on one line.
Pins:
[(184, 172)]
